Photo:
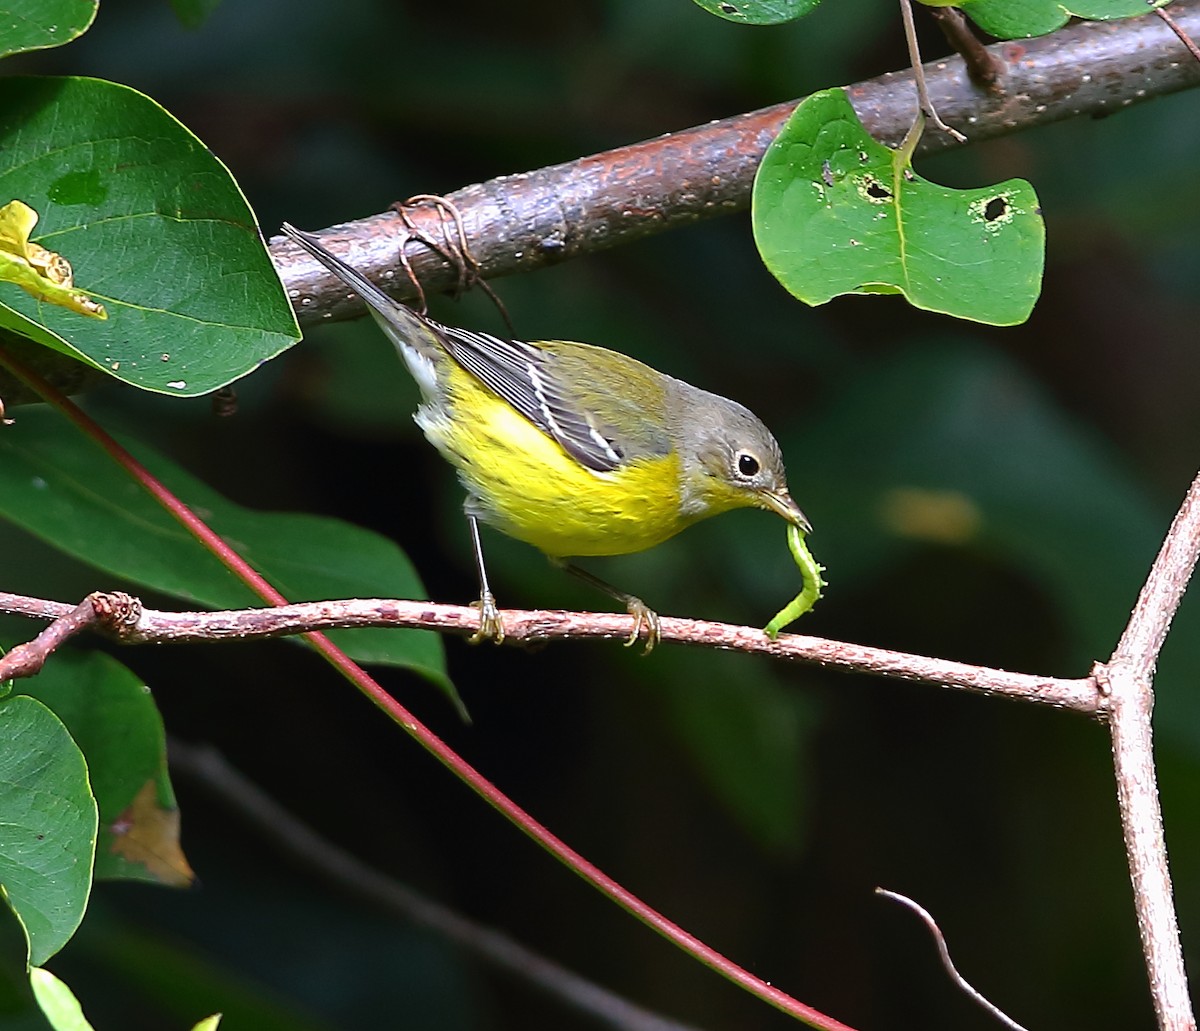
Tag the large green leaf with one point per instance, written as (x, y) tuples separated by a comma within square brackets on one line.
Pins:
[(112, 717), (58, 486), (154, 227), (835, 212), (48, 828), (37, 24)]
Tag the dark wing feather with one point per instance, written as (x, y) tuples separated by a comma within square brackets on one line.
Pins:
[(524, 376)]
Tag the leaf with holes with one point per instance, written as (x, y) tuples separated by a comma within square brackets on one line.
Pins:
[(835, 212), (759, 12)]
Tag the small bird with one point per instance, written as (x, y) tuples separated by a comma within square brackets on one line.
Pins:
[(573, 448)]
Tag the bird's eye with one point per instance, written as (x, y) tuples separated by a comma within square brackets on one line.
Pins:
[(747, 464)]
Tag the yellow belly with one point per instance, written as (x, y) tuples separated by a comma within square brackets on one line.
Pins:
[(531, 489)]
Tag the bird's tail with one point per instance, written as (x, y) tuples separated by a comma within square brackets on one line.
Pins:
[(418, 339)]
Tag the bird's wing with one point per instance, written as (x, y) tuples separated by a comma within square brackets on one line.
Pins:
[(540, 385)]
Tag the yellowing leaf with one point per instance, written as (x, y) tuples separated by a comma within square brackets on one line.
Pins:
[(147, 833), (37, 271)]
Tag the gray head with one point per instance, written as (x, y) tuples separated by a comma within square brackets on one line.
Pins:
[(729, 458)]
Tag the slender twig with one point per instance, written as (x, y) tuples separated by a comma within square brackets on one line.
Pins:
[(208, 769), (914, 54), (27, 659), (1128, 680), (417, 730), (1179, 31), (947, 962), (535, 626)]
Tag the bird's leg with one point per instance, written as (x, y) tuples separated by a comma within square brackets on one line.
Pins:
[(491, 626), (643, 615)]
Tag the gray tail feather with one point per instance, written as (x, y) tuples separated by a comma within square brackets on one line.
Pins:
[(391, 310)]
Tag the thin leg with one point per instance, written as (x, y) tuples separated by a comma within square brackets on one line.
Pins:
[(643, 615), (491, 627)]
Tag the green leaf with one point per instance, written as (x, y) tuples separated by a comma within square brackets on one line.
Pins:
[(59, 487), (57, 1001), (38, 24), (759, 12), (1016, 19), (48, 832), (748, 735), (835, 212), (209, 1023), (154, 226), (112, 717)]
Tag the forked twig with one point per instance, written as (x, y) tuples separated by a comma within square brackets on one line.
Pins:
[(1176, 28), (1128, 680), (115, 612)]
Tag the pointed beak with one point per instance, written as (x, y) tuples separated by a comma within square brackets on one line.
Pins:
[(782, 504)]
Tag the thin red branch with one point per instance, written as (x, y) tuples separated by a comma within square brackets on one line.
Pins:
[(211, 771), (425, 737)]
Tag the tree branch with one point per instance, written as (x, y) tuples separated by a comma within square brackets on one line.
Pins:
[(518, 223), (1128, 679), (537, 626)]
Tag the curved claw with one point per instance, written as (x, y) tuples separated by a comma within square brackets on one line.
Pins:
[(643, 616), (491, 626)]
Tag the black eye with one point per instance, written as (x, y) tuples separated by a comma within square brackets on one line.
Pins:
[(747, 464)]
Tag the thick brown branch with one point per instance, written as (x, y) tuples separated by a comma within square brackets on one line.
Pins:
[(536, 626), (521, 222)]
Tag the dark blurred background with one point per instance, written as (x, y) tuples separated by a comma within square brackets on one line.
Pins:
[(988, 495)]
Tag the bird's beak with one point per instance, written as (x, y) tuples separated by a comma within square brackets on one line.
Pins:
[(781, 503)]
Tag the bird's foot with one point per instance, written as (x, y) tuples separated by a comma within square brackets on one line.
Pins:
[(491, 626), (643, 616)]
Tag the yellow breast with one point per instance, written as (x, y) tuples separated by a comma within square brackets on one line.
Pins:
[(531, 489)]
